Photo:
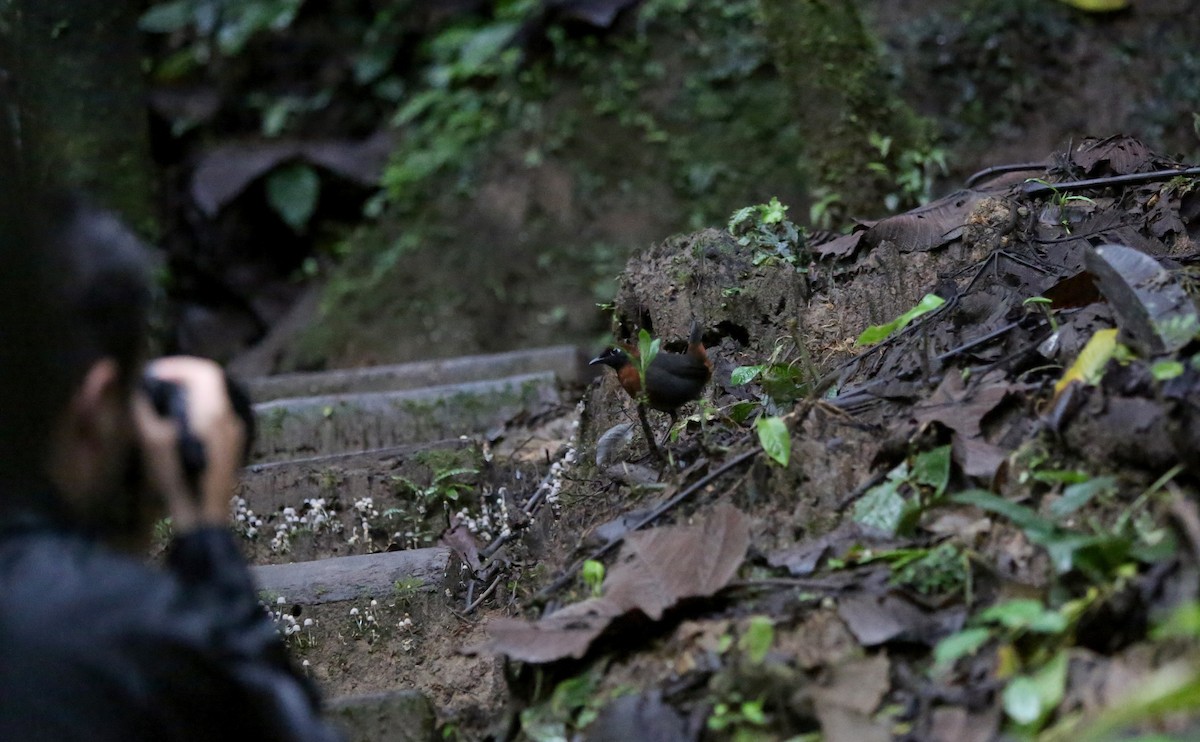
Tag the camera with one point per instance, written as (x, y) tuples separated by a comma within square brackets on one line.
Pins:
[(170, 400)]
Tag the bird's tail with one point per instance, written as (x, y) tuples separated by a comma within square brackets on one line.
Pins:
[(697, 335)]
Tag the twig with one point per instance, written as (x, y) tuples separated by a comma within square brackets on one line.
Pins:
[(1042, 189), (861, 489), (483, 596), (977, 342), (569, 573), (1001, 170)]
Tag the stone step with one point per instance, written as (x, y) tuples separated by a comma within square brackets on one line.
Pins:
[(398, 716), (565, 361), (353, 577), (343, 423), (347, 477)]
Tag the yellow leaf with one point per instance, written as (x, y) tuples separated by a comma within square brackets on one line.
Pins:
[(1089, 366), (1008, 663), (1098, 6)]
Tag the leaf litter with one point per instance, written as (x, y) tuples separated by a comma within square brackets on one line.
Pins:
[(968, 541)]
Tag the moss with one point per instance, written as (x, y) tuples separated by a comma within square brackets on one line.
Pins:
[(446, 459), (652, 131), (840, 95)]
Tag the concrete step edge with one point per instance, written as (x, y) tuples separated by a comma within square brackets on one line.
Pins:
[(332, 424), (354, 577), (567, 362)]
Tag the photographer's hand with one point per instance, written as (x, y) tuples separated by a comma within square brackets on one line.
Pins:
[(212, 420)]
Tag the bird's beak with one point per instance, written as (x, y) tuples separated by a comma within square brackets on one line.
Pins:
[(597, 359)]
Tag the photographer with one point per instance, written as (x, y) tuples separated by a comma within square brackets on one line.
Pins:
[(97, 644)]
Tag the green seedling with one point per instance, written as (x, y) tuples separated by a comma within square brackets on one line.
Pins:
[(876, 333), (441, 487), (775, 439), (593, 577), (1044, 305), (1062, 201), (757, 639), (765, 229), (736, 713), (647, 351), (885, 506)]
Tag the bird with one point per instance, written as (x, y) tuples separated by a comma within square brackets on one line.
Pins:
[(672, 379)]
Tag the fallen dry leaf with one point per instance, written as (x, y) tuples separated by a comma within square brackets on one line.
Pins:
[(961, 408), (644, 717), (876, 620), (1153, 311), (857, 685), (660, 567), (654, 571), (843, 725)]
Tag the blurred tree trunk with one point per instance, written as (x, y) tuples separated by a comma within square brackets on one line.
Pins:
[(842, 99), (74, 74)]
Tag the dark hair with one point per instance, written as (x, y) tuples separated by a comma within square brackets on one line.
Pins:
[(75, 288), (102, 279)]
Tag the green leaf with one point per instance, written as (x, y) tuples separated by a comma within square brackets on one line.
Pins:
[(647, 348), (773, 212), (1166, 370), (1025, 614), (483, 46), (745, 374), (1050, 682), (593, 576), (775, 439), (1021, 516), (752, 711), (959, 645), (875, 333), (167, 17), (740, 412), (293, 191), (1013, 614), (757, 640), (1021, 700), (1078, 495), (740, 217), (882, 506), (1029, 699), (932, 469), (1060, 476), (1184, 622)]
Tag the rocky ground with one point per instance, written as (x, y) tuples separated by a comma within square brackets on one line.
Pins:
[(977, 522)]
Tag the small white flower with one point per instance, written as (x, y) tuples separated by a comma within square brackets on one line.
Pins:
[(308, 622), (353, 611), (280, 600)]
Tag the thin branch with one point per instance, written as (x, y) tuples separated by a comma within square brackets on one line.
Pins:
[(483, 596), (569, 574), (1034, 188)]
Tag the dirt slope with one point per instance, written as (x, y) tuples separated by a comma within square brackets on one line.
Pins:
[(957, 548)]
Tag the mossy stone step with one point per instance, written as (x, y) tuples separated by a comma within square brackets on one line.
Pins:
[(348, 477), (398, 716), (565, 361), (353, 577), (344, 423)]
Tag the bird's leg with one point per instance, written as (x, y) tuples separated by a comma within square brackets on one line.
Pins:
[(647, 432), (670, 428)]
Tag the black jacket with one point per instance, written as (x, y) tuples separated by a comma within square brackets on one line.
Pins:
[(96, 645)]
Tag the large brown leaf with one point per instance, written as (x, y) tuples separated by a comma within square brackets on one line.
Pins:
[(654, 571)]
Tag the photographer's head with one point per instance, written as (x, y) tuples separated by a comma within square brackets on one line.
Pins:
[(95, 293)]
